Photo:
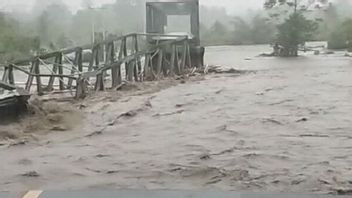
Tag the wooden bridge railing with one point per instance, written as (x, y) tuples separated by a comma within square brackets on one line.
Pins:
[(125, 58)]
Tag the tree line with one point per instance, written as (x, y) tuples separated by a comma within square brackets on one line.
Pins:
[(52, 25)]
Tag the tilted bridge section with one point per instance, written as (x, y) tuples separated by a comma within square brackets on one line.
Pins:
[(111, 62)]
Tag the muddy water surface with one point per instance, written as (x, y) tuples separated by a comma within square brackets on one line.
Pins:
[(286, 126)]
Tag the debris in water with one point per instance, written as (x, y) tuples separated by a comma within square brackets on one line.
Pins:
[(204, 156), (168, 114), (272, 121), (302, 120), (297, 182), (112, 172), (344, 191), (19, 143), (220, 70), (323, 181), (128, 114), (219, 91), (93, 170), (313, 135), (230, 150), (82, 106), (59, 128), (213, 181), (131, 113), (8, 135), (148, 104), (179, 105), (31, 174), (281, 102), (95, 133), (102, 156)]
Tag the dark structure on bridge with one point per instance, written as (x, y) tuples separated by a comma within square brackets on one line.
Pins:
[(157, 19)]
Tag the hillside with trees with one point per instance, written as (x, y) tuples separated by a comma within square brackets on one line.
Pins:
[(51, 25)]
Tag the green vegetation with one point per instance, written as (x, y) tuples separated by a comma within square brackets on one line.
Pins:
[(14, 43), (341, 37), (296, 28), (295, 31), (257, 30), (51, 25)]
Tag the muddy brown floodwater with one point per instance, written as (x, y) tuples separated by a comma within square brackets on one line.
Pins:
[(284, 127)]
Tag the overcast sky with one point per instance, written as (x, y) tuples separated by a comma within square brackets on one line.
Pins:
[(232, 6)]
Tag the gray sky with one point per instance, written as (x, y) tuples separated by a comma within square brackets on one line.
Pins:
[(232, 6)]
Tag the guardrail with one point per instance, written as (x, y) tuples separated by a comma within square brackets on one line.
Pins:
[(119, 58)]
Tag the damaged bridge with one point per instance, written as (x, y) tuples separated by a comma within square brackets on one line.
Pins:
[(133, 57), (113, 61)]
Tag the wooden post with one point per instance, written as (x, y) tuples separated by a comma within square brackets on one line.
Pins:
[(97, 56), (172, 59), (160, 62), (108, 48), (80, 59), (178, 69), (184, 56), (37, 76), (52, 78), (74, 67), (135, 69), (189, 59), (61, 71), (5, 76), (91, 62), (115, 68), (136, 50), (30, 77), (120, 56), (99, 81), (130, 66), (81, 88), (147, 71), (124, 51), (121, 51), (11, 76)]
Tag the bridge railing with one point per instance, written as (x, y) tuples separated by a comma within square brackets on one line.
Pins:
[(104, 65)]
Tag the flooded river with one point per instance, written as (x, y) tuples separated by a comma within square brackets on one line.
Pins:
[(284, 126)]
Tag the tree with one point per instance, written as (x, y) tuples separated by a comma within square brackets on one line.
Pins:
[(341, 37), (13, 43), (129, 15), (43, 27), (217, 34), (296, 29), (347, 28), (296, 5), (53, 21), (256, 30), (242, 31), (63, 42)]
